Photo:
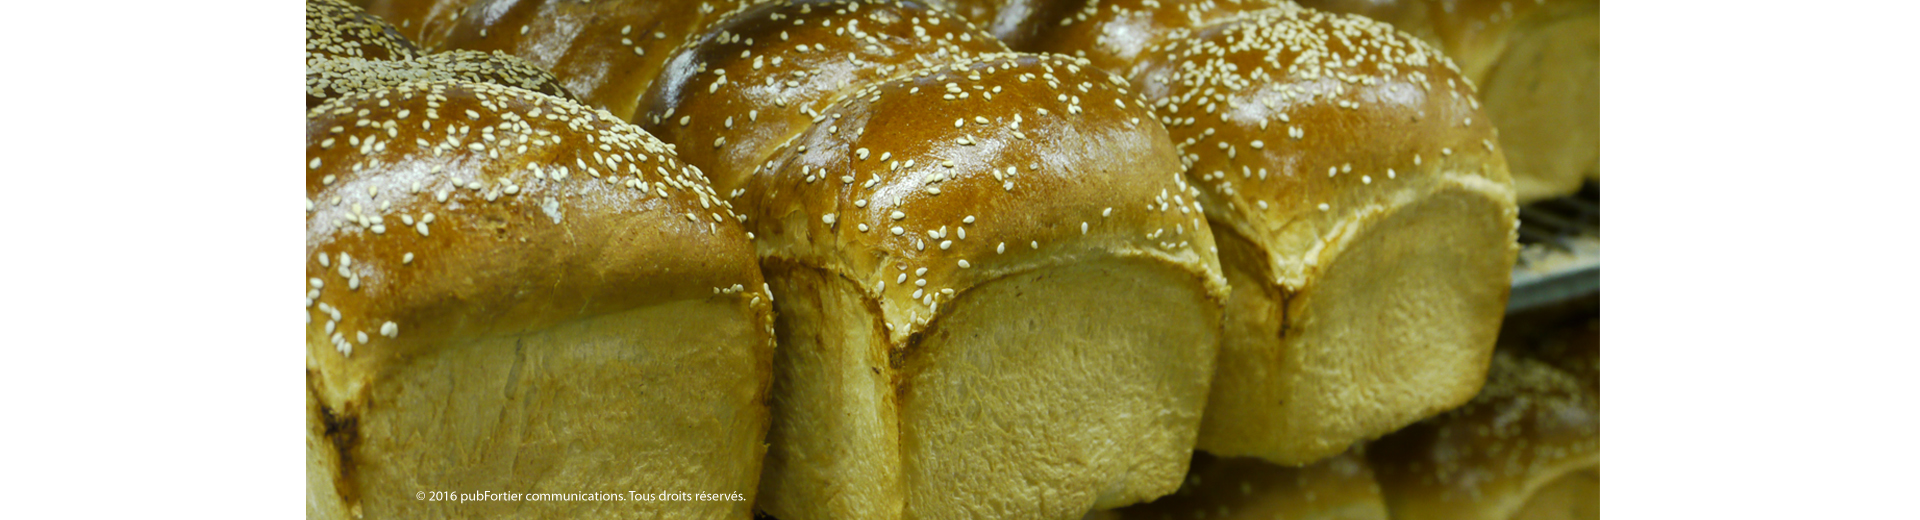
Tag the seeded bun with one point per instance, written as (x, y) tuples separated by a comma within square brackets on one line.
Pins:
[(1113, 34), (1019, 23), (939, 219), (756, 80), (948, 215), (1005, 168), (337, 29), (1529, 444), (426, 22), (1365, 220), (1537, 66), (1341, 487), (328, 78), (606, 52), (589, 306)]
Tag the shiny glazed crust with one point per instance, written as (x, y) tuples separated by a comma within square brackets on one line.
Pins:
[(457, 231), (608, 53)]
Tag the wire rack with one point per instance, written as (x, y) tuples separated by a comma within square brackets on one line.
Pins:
[(1559, 250)]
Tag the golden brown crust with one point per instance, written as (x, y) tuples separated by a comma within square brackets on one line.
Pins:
[(426, 22), (1297, 122), (1537, 67), (605, 52), (755, 80), (1115, 34), (446, 210), (1531, 425), (1475, 33), (328, 78), (917, 197), (337, 29), (1022, 24)]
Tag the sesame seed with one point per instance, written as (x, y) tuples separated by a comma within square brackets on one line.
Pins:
[(361, 335), (897, 215), (945, 244), (1083, 228), (1001, 249), (897, 230), (389, 329), (964, 264), (1106, 212), (827, 218), (406, 259), (1323, 206)]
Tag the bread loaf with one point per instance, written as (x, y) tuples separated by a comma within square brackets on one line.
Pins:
[(1364, 213), (510, 292), (1537, 66), (425, 22), (1340, 487), (337, 29), (328, 78), (997, 296), (349, 50), (606, 52), (1527, 447)]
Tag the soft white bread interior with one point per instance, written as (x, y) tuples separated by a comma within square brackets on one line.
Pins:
[(1340, 487), (997, 296), (1527, 447), (509, 291), (1537, 65), (1364, 216)]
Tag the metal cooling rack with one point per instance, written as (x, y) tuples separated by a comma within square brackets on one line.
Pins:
[(1559, 250)]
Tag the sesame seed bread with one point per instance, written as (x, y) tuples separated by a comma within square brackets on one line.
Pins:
[(1528, 446), (337, 29), (328, 78), (1362, 208), (1537, 65), (1110, 33), (607, 52), (509, 291), (996, 294), (798, 61), (1019, 23), (426, 22)]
